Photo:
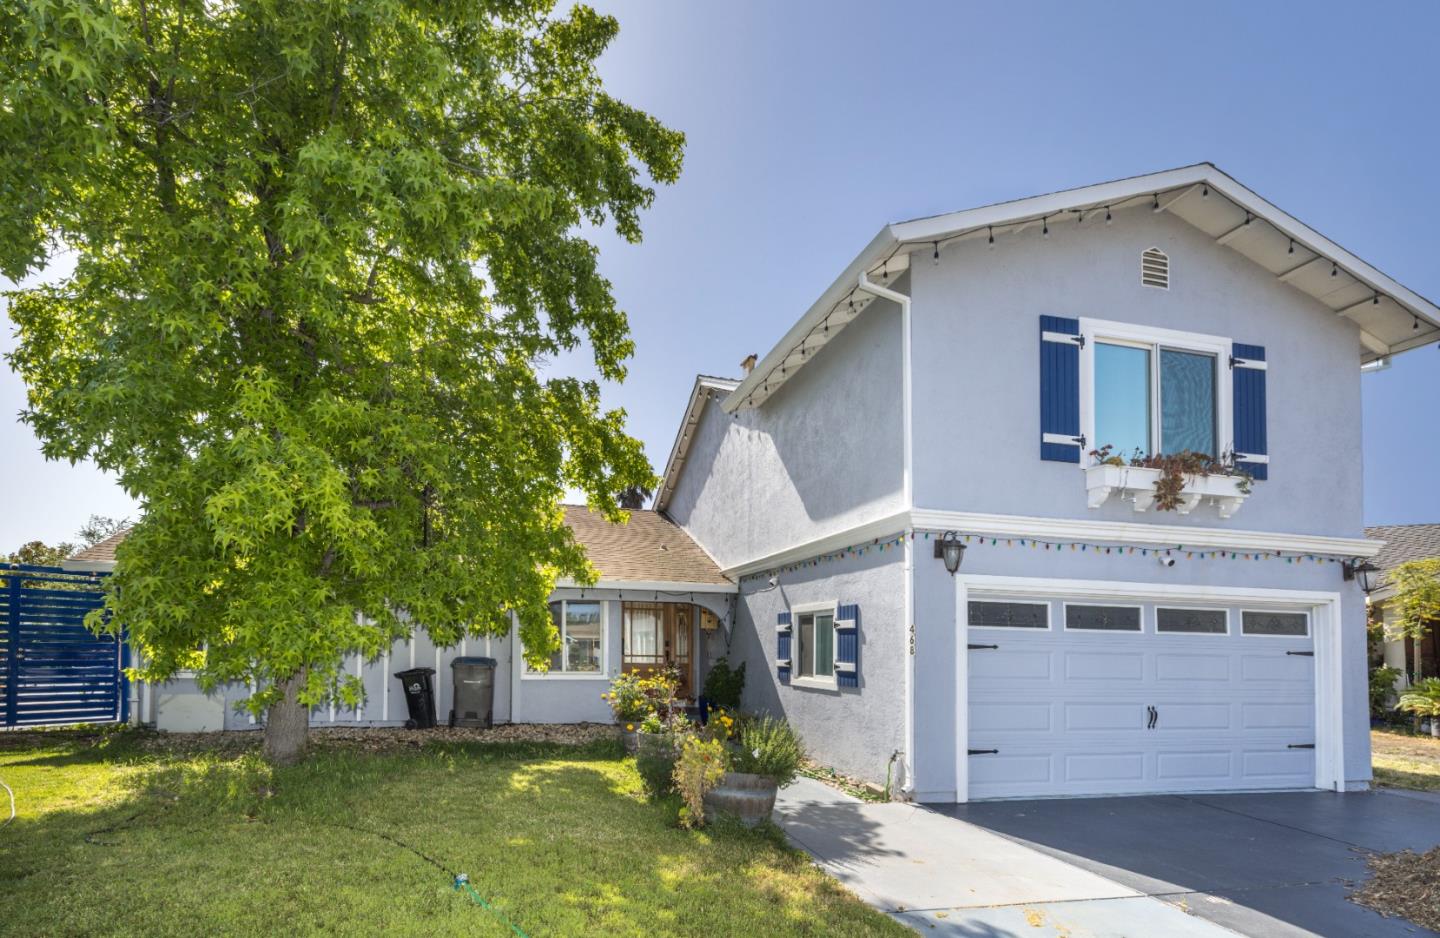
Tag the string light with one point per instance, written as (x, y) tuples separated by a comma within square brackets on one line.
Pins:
[(1334, 270), (1416, 327), (1107, 214), (1155, 202), (1376, 300), (990, 230), (1247, 218), (1292, 246), (1205, 191), (937, 253), (1045, 227)]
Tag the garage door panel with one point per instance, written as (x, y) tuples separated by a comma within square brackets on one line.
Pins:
[(1179, 667), (1278, 715), (1010, 718), (1279, 764), (1195, 766), (1009, 665), (1104, 666), (998, 773), (1120, 767), (1194, 716), (1082, 716), (1277, 668)]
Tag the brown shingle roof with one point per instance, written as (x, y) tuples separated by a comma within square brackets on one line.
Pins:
[(101, 552), (1404, 542), (650, 547)]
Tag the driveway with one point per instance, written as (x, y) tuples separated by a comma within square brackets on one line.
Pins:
[(1187, 867), (1262, 864)]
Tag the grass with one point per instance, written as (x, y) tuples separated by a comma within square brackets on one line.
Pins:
[(1402, 760), (124, 833)]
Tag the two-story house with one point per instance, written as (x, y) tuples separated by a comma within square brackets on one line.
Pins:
[(1097, 627)]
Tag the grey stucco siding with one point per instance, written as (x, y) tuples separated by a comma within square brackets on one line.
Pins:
[(976, 370), (936, 688), (822, 455), (855, 730)]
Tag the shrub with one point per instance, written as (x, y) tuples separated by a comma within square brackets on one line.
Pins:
[(1382, 685), (633, 697), (770, 747), (1423, 700), (724, 684), (699, 768)]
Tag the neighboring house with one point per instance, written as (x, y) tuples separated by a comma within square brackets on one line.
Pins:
[(660, 602), (1403, 543), (954, 377)]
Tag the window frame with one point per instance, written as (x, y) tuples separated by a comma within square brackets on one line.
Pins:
[(1309, 633), (1155, 340), (1049, 617), (1066, 628), (1221, 609), (797, 647), (527, 673)]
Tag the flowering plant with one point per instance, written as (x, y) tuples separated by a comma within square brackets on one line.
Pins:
[(699, 768), (633, 697)]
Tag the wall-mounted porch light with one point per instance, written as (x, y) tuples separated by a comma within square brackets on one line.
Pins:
[(1363, 572), (949, 549)]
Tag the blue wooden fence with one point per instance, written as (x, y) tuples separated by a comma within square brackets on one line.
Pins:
[(53, 669)]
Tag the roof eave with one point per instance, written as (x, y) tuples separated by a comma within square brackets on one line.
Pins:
[(680, 448)]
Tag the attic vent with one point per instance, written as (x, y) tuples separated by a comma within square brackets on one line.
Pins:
[(1155, 269)]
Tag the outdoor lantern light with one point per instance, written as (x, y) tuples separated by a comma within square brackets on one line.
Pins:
[(949, 549), (1364, 572)]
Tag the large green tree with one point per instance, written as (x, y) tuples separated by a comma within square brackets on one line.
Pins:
[(322, 251)]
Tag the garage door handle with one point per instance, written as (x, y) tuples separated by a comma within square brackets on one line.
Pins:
[(981, 752), (1303, 654), (973, 647), (1301, 746), (1154, 717)]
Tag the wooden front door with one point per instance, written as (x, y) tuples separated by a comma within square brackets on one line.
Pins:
[(657, 636)]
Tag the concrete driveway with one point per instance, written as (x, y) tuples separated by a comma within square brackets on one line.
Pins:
[(1261, 864), (1188, 867)]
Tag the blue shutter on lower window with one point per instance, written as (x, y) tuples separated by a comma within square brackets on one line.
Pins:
[(847, 645), (1060, 344), (782, 647), (1252, 453)]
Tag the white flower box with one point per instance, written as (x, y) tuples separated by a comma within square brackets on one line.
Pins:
[(1137, 484)]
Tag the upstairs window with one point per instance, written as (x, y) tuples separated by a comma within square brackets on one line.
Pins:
[(1153, 390)]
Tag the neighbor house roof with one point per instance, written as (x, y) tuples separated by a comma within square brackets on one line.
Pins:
[(705, 388), (1404, 542), (1389, 317), (98, 556), (651, 551)]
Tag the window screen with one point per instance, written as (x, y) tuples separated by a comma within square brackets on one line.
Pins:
[(1187, 401), (1002, 615), (1103, 618), (1197, 621), (1276, 623)]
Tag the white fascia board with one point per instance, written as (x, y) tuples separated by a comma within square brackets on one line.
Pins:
[(681, 447), (878, 249), (656, 586), (88, 566), (852, 536), (1127, 532)]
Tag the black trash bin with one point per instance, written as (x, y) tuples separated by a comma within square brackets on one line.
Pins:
[(419, 685), (474, 691)]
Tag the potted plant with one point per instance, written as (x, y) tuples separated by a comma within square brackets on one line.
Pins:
[(658, 747), (765, 755), (634, 697)]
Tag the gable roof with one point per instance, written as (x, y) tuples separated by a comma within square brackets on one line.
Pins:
[(1404, 542), (1390, 317), (705, 388), (99, 556), (651, 549)]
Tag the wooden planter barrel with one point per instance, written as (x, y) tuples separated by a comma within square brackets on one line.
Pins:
[(747, 798), (631, 739)]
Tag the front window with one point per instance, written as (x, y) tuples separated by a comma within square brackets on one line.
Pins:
[(1154, 391), (581, 624), (815, 656)]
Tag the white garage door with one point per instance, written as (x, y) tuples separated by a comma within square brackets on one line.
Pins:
[(1097, 697)]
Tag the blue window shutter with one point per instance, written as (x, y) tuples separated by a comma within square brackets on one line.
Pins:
[(847, 645), (1252, 453), (782, 647), (1060, 343)]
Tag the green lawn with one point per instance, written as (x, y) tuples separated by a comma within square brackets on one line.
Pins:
[(1404, 761), (129, 834)]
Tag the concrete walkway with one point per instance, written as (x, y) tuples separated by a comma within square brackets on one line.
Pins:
[(947, 877)]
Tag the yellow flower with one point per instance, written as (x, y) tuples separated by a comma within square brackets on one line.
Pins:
[(629, 727)]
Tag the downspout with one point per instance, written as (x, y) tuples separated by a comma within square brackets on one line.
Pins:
[(865, 285)]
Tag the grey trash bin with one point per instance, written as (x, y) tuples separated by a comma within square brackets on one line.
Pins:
[(474, 691)]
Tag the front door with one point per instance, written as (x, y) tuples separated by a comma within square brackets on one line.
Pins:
[(657, 636)]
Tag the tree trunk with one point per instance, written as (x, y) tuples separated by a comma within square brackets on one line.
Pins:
[(287, 724)]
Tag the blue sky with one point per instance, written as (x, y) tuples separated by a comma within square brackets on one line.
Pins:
[(810, 125)]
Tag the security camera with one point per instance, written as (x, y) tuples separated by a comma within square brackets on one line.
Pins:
[(1166, 561), (773, 582)]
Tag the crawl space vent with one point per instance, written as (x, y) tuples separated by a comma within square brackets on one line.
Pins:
[(1155, 269)]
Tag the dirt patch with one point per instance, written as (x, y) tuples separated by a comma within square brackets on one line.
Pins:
[(1405, 885), (1390, 743)]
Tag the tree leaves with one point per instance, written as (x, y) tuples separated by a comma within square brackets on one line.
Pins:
[(320, 250)]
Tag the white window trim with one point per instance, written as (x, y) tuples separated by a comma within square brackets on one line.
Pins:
[(1049, 619), (1065, 617), (1124, 333), (526, 674), (812, 682), (1309, 627), (1225, 611), (1324, 615)]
